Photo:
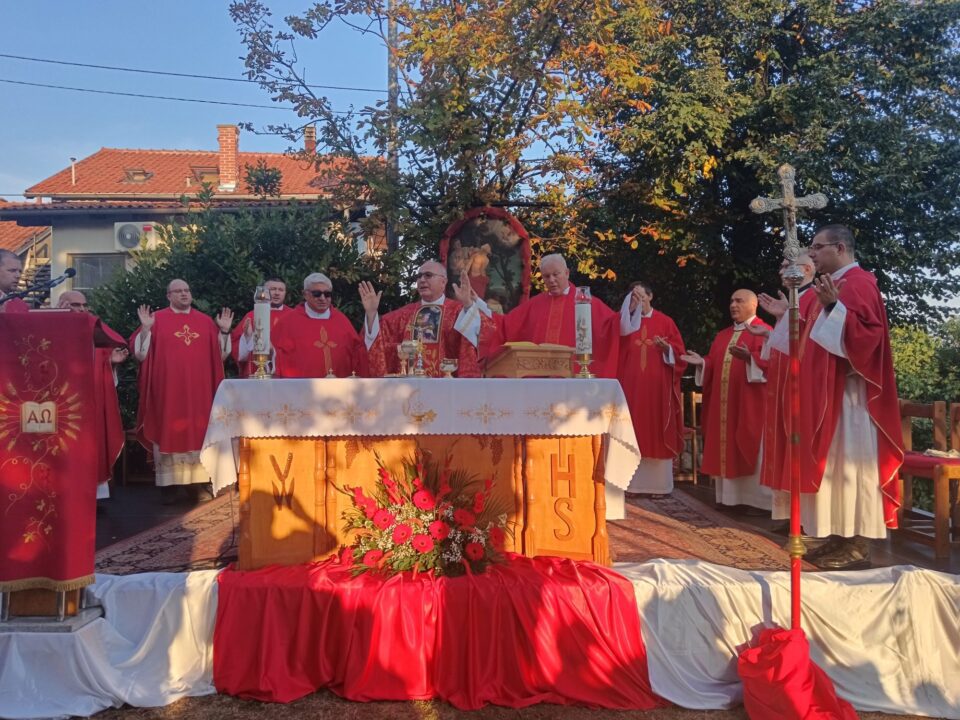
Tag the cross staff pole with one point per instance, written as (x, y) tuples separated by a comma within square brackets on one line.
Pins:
[(792, 277)]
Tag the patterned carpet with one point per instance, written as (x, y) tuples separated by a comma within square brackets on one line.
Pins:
[(676, 527)]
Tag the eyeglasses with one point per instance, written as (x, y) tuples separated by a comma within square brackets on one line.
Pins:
[(322, 293), (429, 275), (821, 246), (78, 305)]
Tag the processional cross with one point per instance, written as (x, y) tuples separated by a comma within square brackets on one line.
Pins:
[(792, 277)]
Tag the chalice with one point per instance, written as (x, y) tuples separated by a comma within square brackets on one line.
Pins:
[(448, 366), (406, 350)]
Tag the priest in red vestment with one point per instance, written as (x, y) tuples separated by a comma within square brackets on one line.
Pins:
[(434, 320), (241, 340), (316, 340), (853, 492), (181, 352), (107, 409), (10, 269), (734, 399), (649, 371), (550, 318)]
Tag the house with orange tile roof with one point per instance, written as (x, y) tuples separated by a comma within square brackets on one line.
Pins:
[(91, 214)]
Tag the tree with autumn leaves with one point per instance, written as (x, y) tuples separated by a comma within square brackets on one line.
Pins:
[(631, 135)]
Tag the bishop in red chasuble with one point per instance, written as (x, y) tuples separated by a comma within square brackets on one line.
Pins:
[(550, 318), (181, 352), (435, 320), (241, 339), (649, 371), (734, 400), (315, 339)]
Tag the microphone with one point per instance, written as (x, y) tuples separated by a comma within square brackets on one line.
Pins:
[(68, 273)]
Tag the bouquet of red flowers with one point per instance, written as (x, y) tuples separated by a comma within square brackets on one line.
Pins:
[(425, 518)]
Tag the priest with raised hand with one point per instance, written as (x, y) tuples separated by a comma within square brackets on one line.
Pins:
[(241, 339), (649, 371), (853, 493), (10, 270), (315, 339), (549, 317), (434, 320), (107, 409), (181, 353), (734, 399)]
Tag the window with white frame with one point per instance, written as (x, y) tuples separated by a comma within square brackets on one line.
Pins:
[(95, 270)]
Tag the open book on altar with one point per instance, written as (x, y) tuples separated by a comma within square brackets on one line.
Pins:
[(527, 359)]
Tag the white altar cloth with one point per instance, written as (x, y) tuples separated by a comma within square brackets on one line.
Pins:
[(338, 407)]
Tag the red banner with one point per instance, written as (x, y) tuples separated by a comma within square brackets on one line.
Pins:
[(48, 451)]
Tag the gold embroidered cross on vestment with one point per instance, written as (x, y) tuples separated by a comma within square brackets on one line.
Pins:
[(187, 335)]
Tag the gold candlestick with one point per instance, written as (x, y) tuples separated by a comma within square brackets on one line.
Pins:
[(585, 359), (260, 360)]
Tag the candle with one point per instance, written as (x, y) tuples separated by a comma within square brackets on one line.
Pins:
[(261, 322), (584, 322)]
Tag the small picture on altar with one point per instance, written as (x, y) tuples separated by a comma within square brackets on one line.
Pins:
[(426, 325)]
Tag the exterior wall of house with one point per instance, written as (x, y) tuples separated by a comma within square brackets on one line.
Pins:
[(75, 239)]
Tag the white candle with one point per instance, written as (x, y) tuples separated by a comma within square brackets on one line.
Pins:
[(584, 328), (261, 328)]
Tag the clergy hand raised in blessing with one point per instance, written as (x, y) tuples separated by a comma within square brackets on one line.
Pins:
[(758, 330), (370, 299), (740, 351), (248, 329), (775, 306), (225, 320), (146, 317), (828, 292), (691, 358), (464, 291)]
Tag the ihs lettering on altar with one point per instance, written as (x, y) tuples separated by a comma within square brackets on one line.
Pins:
[(563, 504)]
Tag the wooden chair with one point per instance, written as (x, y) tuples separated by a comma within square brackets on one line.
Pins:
[(931, 529)]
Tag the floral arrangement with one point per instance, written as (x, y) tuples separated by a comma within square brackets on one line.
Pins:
[(425, 518)]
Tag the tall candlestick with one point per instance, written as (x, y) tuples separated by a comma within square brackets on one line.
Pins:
[(261, 322)]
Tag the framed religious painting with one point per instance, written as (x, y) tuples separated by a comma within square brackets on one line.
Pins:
[(494, 249)]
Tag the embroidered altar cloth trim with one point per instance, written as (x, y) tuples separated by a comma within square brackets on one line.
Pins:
[(342, 407)]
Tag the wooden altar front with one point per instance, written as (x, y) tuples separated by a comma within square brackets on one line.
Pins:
[(292, 500)]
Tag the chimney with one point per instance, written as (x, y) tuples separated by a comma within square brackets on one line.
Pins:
[(227, 158), (310, 139)]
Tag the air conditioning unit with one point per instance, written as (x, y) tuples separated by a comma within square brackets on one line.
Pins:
[(129, 236)]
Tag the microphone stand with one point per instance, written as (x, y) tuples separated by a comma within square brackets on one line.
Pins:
[(48, 285)]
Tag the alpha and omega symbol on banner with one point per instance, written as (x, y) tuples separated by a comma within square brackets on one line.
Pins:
[(38, 417)]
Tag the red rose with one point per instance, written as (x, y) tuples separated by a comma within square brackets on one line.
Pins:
[(423, 499), (474, 551), (383, 519), (346, 556), (422, 543), (497, 537), (478, 503), (439, 530), (401, 533), (372, 557), (464, 517)]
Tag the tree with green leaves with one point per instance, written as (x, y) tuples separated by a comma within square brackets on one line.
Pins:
[(861, 97)]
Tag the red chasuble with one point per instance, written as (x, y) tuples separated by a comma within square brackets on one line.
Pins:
[(15, 306), (48, 456), (107, 406), (733, 409), (866, 341), (433, 323), (178, 380), (247, 367), (547, 318), (308, 347), (652, 387)]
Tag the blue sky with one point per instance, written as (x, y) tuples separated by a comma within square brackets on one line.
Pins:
[(40, 128)]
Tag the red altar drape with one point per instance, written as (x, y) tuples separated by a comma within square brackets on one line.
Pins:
[(48, 451), (527, 631)]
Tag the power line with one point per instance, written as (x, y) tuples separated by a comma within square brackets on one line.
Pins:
[(156, 97), (175, 74)]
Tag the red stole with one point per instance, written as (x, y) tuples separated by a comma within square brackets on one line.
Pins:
[(652, 387), (247, 367), (733, 409), (441, 340), (866, 341), (178, 380), (107, 407), (309, 347), (547, 318)]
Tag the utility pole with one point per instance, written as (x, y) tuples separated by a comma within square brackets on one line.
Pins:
[(393, 151)]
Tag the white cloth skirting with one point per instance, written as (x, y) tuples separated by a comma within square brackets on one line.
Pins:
[(745, 490), (179, 468), (653, 475), (889, 639), (849, 501)]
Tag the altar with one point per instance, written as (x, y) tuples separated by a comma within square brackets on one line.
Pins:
[(560, 453)]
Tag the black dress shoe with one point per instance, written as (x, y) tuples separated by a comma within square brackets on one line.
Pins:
[(824, 546), (849, 554), (750, 511)]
